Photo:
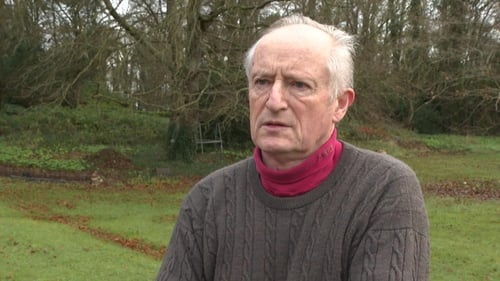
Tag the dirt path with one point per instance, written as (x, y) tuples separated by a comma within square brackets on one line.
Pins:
[(37, 174), (106, 162), (42, 212), (137, 245)]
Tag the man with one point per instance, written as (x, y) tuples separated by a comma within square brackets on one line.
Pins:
[(305, 206)]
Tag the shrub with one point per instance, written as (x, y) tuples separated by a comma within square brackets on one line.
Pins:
[(427, 120), (92, 124)]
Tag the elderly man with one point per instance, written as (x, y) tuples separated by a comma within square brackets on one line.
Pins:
[(306, 206)]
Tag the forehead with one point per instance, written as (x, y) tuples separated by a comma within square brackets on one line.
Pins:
[(295, 46)]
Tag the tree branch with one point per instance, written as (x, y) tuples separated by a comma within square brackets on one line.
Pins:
[(136, 34)]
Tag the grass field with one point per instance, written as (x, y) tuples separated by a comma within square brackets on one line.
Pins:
[(75, 231), (464, 239), (33, 249), (68, 232)]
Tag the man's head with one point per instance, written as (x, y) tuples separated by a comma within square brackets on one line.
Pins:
[(300, 86), (340, 57)]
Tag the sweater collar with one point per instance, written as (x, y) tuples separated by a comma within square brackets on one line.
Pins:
[(303, 177)]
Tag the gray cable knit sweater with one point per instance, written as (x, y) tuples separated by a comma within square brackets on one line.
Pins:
[(366, 221)]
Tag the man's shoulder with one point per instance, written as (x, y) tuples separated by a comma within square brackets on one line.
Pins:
[(216, 184), (233, 172), (233, 169), (377, 175), (379, 160)]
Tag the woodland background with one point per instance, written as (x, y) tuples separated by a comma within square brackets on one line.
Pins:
[(432, 66), (101, 103)]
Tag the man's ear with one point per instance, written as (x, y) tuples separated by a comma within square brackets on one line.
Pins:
[(343, 102)]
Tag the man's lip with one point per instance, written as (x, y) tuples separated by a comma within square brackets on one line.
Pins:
[(274, 123)]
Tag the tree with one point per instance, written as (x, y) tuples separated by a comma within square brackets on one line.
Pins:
[(58, 48), (431, 65)]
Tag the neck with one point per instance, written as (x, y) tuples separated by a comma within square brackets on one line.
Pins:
[(302, 177), (285, 161)]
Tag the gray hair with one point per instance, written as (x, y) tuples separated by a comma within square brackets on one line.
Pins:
[(340, 62)]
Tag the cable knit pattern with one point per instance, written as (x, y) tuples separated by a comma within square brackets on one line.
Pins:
[(365, 221), (248, 236), (370, 257), (270, 244), (297, 220), (230, 221), (397, 258)]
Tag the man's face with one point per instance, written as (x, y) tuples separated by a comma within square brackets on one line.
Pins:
[(291, 112)]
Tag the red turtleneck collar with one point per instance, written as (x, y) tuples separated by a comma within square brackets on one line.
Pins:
[(303, 177)]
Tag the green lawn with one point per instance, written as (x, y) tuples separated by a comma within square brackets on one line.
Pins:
[(465, 240), (40, 250), (33, 246)]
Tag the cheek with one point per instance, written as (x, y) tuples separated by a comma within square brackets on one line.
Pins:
[(253, 115), (255, 105), (252, 109), (316, 122)]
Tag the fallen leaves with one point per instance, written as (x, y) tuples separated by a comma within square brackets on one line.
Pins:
[(476, 189)]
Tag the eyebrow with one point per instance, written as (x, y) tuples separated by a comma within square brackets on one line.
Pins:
[(263, 72)]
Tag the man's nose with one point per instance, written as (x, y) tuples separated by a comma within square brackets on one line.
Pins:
[(277, 99)]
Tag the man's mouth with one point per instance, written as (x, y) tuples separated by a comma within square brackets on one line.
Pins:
[(274, 124)]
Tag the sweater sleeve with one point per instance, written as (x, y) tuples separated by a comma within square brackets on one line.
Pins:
[(183, 258), (392, 240)]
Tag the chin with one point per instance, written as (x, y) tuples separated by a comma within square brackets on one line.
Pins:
[(276, 143), (274, 147)]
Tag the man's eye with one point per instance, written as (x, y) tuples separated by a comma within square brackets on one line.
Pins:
[(261, 82), (299, 85), (299, 89)]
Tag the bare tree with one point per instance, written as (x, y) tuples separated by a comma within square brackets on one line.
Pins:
[(417, 60), (69, 48)]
